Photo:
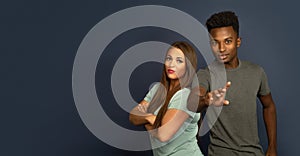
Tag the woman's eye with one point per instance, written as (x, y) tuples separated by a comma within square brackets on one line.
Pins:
[(179, 61), (168, 58)]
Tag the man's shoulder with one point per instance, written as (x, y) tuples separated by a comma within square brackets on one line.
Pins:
[(250, 65), (203, 69), (203, 72)]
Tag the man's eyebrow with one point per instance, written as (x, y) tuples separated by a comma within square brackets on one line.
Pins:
[(228, 38), (213, 39)]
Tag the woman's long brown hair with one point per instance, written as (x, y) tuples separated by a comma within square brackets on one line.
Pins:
[(163, 95)]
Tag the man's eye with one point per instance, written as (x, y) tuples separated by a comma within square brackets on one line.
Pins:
[(228, 41), (213, 43)]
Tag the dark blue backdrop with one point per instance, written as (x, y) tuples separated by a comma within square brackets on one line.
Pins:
[(39, 41)]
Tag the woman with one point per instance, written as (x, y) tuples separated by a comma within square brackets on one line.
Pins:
[(163, 111)]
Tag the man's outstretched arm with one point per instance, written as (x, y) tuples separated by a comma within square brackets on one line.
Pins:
[(199, 98)]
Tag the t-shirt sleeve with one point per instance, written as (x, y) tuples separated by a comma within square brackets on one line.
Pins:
[(264, 86), (204, 78), (179, 101), (151, 92)]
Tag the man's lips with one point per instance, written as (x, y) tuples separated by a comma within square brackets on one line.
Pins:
[(170, 71), (223, 56)]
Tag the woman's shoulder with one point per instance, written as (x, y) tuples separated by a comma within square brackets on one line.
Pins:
[(182, 92), (154, 86)]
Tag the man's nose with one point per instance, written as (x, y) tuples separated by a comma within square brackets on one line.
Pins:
[(222, 47)]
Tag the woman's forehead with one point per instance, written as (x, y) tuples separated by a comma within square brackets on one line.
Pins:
[(175, 52)]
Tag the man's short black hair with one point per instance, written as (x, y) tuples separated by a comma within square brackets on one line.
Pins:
[(223, 19)]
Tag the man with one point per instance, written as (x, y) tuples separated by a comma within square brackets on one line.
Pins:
[(234, 130)]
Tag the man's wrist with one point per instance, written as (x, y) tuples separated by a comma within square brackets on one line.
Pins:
[(204, 101)]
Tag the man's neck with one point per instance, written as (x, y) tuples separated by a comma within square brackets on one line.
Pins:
[(232, 65)]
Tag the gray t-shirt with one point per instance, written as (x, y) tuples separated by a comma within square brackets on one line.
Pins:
[(235, 132), (184, 142)]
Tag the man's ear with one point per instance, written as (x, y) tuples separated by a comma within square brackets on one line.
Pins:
[(238, 42)]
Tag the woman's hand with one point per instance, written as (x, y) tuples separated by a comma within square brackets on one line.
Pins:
[(143, 108), (151, 119), (139, 113)]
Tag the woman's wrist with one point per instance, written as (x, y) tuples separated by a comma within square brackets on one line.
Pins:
[(151, 118)]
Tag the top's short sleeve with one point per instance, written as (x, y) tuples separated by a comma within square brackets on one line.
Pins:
[(264, 86), (204, 78), (151, 92), (179, 101)]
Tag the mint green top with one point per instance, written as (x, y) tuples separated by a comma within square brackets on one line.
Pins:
[(184, 142)]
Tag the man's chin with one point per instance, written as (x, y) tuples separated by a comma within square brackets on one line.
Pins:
[(222, 61)]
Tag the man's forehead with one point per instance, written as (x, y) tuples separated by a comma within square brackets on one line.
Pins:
[(222, 33)]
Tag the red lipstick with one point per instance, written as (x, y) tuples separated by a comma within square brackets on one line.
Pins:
[(170, 71)]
